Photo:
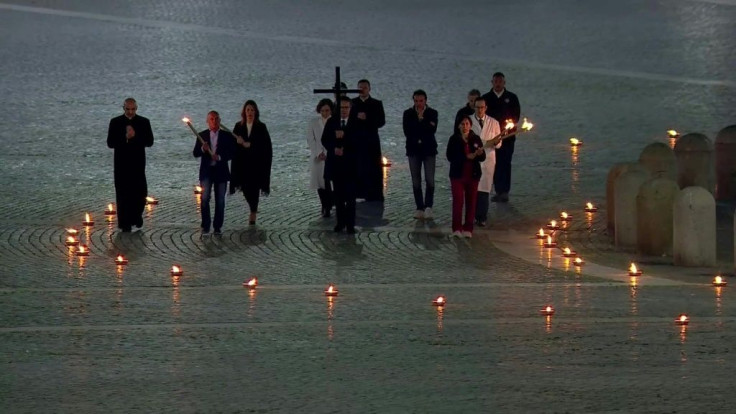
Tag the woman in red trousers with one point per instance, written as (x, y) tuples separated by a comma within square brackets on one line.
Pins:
[(465, 153)]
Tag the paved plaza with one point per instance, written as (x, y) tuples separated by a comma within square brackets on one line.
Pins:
[(81, 334)]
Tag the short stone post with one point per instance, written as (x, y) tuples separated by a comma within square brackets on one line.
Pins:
[(654, 216), (725, 149), (659, 159), (694, 232), (626, 188), (616, 171), (694, 153)]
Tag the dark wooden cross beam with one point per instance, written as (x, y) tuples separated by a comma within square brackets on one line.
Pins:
[(337, 90)]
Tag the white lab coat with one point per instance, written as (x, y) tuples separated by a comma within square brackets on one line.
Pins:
[(491, 128), (314, 142)]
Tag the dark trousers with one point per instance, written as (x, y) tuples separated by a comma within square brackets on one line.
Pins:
[(464, 190), (325, 197), (344, 196), (220, 190), (502, 175), (130, 200), (252, 195), (481, 206), (415, 167)]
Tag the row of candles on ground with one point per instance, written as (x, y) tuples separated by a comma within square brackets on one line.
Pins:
[(672, 134)]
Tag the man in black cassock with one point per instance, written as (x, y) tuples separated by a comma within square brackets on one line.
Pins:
[(502, 106), (129, 135), (369, 116)]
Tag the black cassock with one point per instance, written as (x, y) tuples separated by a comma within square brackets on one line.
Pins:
[(370, 168), (130, 167)]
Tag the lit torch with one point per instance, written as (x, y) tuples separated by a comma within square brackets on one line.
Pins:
[(194, 131)]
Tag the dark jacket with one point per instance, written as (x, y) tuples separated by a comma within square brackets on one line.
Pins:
[(220, 172), (420, 140), (344, 167), (456, 155), (502, 108), (130, 155), (252, 166)]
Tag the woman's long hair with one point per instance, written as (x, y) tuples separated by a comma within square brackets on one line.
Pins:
[(256, 118)]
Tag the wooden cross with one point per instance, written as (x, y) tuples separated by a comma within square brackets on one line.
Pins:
[(337, 90)]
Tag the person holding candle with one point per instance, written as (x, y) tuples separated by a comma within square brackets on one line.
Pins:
[(419, 124), (486, 128), (129, 135), (339, 141), (465, 153), (502, 106), (253, 158), (215, 153), (318, 155)]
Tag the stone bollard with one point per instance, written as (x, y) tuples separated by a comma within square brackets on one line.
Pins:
[(725, 149), (694, 232), (694, 153), (659, 159), (626, 188), (615, 172), (654, 216)]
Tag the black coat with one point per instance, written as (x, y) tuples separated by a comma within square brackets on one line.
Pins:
[(420, 139), (340, 167), (456, 155), (251, 167), (130, 155), (502, 108), (220, 172)]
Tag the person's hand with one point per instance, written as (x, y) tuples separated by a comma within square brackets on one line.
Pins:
[(470, 155), (479, 151), (321, 156), (339, 134), (129, 132), (239, 140), (420, 114), (205, 148), (338, 152), (215, 157), (361, 115), (246, 144)]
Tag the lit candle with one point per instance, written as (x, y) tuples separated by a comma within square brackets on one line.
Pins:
[(719, 281), (71, 232), (578, 261), (682, 320), (120, 260), (633, 271), (110, 211), (71, 241), (565, 217), (566, 252), (251, 284), (197, 189), (176, 271), (439, 301), (509, 125), (151, 201), (547, 311), (574, 142), (550, 243), (82, 251), (331, 290), (526, 125), (541, 234), (88, 220), (672, 133), (385, 162), (553, 225), (590, 208), (200, 139)]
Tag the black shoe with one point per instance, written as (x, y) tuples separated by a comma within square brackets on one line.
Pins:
[(481, 223), (218, 232), (503, 198), (125, 229), (495, 198), (139, 223), (326, 212), (338, 228), (205, 230), (351, 230)]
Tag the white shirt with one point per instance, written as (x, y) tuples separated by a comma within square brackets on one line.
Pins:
[(213, 144)]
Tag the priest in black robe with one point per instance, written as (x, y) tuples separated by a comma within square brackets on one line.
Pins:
[(369, 117), (129, 135)]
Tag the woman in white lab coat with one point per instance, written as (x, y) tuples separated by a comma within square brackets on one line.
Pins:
[(317, 155), (489, 129)]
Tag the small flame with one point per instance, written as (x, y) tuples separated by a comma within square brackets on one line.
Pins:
[(120, 258), (253, 282), (82, 249), (719, 280), (633, 269), (578, 261), (86, 217), (198, 188), (563, 215), (110, 207), (589, 206), (567, 250), (440, 300), (541, 232), (384, 161), (150, 200), (71, 231), (185, 120), (71, 239), (509, 124), (574, 142), (682, 318), (526, 125), (553, 223), (549, 239), (672, 133), (175, 269), (548, 309), (331, 289)]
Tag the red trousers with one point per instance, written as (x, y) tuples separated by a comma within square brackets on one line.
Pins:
[(463, 190)]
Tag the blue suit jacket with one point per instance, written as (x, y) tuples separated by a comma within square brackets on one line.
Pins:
[(220, 172)]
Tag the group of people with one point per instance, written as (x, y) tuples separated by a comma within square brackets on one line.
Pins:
[(345, 157)]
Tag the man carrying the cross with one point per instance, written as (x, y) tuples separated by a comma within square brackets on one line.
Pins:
[(369, 117)]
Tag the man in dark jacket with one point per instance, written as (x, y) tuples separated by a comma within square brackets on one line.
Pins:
[(341, 171), (420, 125), (369, 117), (502, 105), (129, 135), (215, 152), (468, 109)]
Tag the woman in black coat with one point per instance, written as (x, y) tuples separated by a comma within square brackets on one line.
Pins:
[(251, 167), (465, 153)]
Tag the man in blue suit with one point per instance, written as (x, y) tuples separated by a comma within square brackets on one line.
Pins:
[(214, 170)]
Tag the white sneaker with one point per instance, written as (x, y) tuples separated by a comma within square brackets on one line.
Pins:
[(467, 235), (428, 213), (457, 234), (419, 214)]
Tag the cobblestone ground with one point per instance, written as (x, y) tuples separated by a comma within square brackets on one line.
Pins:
[(84, 335)]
